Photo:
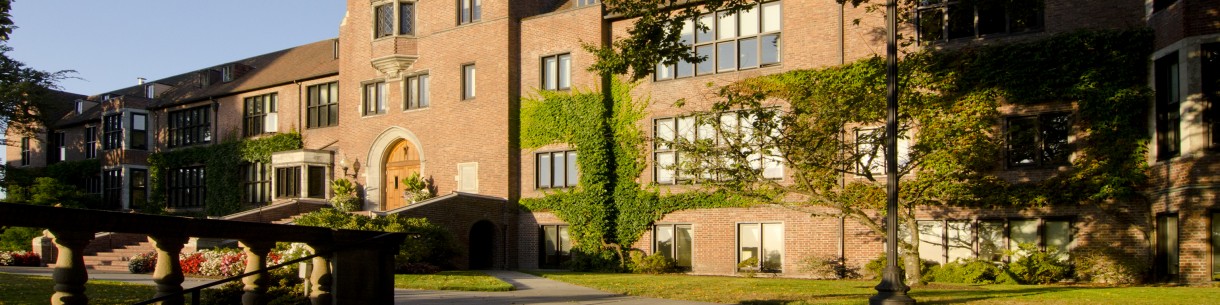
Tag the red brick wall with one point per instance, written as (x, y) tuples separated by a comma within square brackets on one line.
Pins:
[(460, 214)]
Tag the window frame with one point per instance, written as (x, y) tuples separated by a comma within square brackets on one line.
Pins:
[(256, 110), (394, 25), (1040, 144), (138, 134), (551, 170), (26, 153), (373, 97), (186, 187), (977, 237), (256, 183), (189, 127), (562, 81), (1162, 254), (112, 131), (417, 90), (563, 252), (762, 245), (112, 187), (470, 14), (946, 8), (316, 105), (470, 82), (90, 142), (661, 147), (735, 40), (1168, 110), (674, 249), (287, 182)]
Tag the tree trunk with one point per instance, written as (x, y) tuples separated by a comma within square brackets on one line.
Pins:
[(912, 262)]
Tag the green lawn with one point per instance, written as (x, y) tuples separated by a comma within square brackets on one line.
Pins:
[(24, 289), (796, 291), (451, 280)]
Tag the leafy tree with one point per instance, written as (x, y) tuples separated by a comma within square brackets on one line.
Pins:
[(25, 92)]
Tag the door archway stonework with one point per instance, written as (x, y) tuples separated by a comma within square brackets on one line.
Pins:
[(379, 154)]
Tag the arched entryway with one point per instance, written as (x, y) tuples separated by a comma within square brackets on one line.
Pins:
[(482, 245), (401, 161)]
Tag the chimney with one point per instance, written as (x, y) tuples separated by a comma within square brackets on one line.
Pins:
[(139, 81)]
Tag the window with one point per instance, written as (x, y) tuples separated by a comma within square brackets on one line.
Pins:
[(469, 11), (260, 115), (138, 188), (112, 188), (1210, 75), (556, 246), (59, 147), (93, 184), (385, 20), (417, 92), (185, 187), (288, 182), (150, 91), (323, 105), (317, 182), (760, 247), (226, 73), (256, 183), (557, 169), (870, 148), (139, 130), (674, 241), (1168, 111), (468, 81), (557, 72), (374, 98), (953, 240), (942, 20), (468, 177), (672, 166), (90, 142), (25, 151), (745, 40), (586, 2), (112, 132), (1166, 264), (190, 127), (1215, 241), (1038, 141), (1158, 5)]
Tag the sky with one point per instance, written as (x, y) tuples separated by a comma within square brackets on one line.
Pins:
[(110, 43)]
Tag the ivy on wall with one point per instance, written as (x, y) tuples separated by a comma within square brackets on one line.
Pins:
[(222, 164)]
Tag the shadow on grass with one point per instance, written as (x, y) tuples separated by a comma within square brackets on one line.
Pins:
[(940, 295)]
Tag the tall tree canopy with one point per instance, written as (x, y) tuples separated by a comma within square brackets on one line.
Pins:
[(23, 89)]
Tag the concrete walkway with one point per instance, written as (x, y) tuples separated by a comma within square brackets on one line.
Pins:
[(144, 279), (530, 290)]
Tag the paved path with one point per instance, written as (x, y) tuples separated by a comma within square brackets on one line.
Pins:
[(530, 290), (145, 279)]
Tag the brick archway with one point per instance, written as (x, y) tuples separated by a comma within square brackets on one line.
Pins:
[(378, 154)]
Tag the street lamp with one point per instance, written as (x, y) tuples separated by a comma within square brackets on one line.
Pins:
[(891, 290)]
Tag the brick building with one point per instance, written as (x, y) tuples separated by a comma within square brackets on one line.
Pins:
[(435, 88)]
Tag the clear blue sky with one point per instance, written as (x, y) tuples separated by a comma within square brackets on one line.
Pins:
[(112, 42)]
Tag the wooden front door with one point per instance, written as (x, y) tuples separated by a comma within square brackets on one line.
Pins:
[(402, 160)]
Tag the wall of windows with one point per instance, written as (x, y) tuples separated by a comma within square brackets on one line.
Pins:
[(942, 20), (322, 105), (674, 241), (191, 126), (745, 40), (557, 169), (185, 187), (991, 239), (674, 166)]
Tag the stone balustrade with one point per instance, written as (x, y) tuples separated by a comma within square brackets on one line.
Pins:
[(353, 267)]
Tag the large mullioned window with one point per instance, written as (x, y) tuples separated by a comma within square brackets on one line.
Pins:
[(190, 126), (1038, 141), (322, 105), (745, 40), (942, 20), (385, 16)]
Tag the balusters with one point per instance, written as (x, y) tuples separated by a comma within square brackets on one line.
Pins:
[(70, 275), (256, 259), (320, 278), (168, 273)]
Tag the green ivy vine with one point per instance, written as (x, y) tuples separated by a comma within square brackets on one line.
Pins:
[(222, 163)]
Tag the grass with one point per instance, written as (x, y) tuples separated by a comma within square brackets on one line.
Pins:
[(25, 289), (737, 290), (452, 280)]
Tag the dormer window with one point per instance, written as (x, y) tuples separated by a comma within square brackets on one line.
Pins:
[(226, 73), (80, 107), (150, 91), (394, 18)]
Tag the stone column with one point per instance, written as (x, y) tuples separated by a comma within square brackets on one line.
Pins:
[(256, 284), (70, 274), (320, 278), (168, 273)]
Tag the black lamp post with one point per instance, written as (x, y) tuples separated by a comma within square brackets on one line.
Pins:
[(891, 290)]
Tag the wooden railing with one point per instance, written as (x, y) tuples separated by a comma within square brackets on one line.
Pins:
[(354, 267)]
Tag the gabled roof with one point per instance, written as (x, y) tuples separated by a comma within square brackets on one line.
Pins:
[(285, 66)]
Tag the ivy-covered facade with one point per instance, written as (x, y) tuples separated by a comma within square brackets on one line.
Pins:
[(1079, 125)]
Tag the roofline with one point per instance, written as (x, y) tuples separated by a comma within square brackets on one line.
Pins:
[(231, 93)]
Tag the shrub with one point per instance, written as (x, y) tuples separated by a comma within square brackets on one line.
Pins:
[(605, 260), (18, 238), (876, 267), (748, 267), (429, 243), (416, 268), (1039, 267), (416, 188), (142, 263), (285, 288), (827, 267), (346, 197), (225, 262), (20, 258), (1109, 266), (974, 271), (652, 264)]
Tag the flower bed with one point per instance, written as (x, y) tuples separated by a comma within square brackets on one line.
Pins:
[(212, 263), (20, 258)]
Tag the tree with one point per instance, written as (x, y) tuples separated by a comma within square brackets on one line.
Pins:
[(25, 92)]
